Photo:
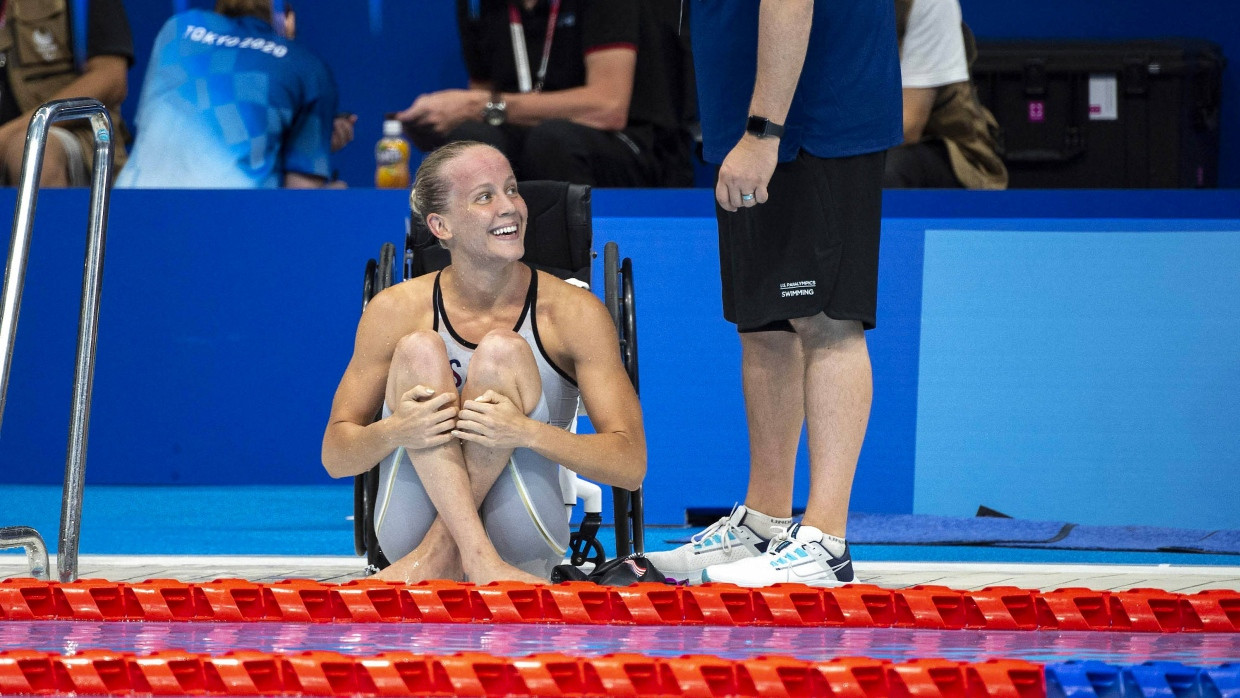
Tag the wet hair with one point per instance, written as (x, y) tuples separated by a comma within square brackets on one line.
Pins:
[(261, 9), (431, 188)]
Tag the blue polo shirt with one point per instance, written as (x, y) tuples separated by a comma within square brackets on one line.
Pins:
[(847, 101), (228, 103)]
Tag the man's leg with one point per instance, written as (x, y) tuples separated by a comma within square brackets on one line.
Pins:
[(838, 392), (772, 377), (924, 165), (55, 171), (559, 149)]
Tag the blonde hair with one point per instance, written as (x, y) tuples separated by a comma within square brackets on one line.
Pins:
[(431, 189), (261, 9)]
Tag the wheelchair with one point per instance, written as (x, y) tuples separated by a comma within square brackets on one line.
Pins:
[(558, 239)]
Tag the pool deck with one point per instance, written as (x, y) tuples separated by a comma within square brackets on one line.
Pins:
[(1183, 579)]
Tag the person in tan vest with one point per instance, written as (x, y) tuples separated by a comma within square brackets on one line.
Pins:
[(37, 54), (950, 139)]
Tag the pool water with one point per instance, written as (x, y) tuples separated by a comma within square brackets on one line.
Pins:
[(896, 644)]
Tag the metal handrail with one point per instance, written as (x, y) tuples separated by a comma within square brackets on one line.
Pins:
[(92, 282), (36, 550)]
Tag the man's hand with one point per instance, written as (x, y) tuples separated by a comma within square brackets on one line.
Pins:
[(492, 420), (342, 130), (745, 173), (446, 109), (423, 419)]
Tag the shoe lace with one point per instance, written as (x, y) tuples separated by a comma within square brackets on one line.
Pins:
[(723, 527), (779, 541)]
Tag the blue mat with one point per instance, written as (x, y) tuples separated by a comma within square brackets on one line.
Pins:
[(923, 529), (916, 529)]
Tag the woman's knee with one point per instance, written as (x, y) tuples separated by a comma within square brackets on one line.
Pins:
[(501, 353), (419, 347), (504, 362), (420, 357)]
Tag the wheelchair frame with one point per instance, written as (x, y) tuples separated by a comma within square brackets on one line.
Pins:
[(618, 297)]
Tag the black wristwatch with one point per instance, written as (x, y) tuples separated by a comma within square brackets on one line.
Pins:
[(496, 110), (763, 127)]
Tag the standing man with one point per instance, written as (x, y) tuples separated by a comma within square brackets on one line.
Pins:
[(798, 102)]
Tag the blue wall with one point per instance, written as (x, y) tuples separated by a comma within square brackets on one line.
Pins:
[(386, 52), (1086, 358)]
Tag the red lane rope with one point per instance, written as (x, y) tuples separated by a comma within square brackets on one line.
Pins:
[(103, 672), (854, 605)]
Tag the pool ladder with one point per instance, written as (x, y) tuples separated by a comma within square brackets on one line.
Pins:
[(88, 320)]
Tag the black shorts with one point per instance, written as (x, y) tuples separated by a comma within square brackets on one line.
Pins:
[(811, 248)]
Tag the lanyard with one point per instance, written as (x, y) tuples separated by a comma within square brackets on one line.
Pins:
[(521, 56)]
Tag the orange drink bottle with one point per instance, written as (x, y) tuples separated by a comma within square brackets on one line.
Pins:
[(392, 157)]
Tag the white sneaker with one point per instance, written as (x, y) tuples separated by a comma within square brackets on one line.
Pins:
[(796, 556), (726, 540)]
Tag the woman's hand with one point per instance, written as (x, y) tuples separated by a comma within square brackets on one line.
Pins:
[(492, 420), (423, 419)]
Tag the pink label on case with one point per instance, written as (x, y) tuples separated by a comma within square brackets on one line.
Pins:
[(1037, 111)]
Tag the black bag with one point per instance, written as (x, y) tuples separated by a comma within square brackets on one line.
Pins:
[(619, 572), (1120, 114)]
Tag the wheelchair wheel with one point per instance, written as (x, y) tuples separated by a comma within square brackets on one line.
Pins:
[(619, 299), (378, 277), (628, 311)]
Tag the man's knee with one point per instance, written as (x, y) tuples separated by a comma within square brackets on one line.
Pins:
[(551, 147), (822, 331), (11, 153), (770, 345), (899, 171)]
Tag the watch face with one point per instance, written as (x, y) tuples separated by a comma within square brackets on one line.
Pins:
[(763, 127), (495, 114)]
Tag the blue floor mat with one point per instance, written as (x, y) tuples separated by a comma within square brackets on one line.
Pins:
[(924, 529)]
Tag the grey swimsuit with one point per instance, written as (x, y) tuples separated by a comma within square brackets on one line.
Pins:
[(524, 513)]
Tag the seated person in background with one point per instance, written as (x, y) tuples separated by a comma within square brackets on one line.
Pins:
[(591, 93), (949, 137), (477, 370), (37, 48), (229, 103)]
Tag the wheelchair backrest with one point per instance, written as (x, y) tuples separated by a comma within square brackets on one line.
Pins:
[(558, 234)]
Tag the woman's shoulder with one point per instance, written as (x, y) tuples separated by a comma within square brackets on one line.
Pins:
[(567, 303)]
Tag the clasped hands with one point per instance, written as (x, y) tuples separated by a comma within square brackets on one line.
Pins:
[(425, 419)]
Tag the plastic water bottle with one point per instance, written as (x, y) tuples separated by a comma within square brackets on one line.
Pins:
[(392, 157)]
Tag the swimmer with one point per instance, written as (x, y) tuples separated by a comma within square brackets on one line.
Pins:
[(477, 370)]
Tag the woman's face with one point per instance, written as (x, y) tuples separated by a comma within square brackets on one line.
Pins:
[(486, 214)]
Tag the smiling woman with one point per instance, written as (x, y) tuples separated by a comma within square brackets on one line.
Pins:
[(476, 373)]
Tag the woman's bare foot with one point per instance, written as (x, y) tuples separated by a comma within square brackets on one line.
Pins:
[(424, 564), (499, 571)]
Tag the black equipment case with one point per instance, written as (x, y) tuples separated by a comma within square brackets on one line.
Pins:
[(1132, 114)]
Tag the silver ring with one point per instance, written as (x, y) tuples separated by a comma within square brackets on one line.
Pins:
[(746, 197)]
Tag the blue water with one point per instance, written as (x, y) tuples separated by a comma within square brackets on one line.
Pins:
[(317, 520), (68, 637)]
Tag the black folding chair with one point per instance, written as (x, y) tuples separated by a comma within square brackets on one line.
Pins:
[(558, 239)]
